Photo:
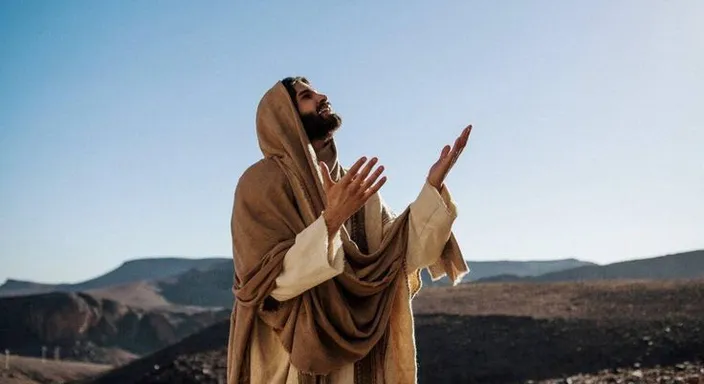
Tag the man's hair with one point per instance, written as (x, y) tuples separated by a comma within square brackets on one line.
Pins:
[(289, 83)]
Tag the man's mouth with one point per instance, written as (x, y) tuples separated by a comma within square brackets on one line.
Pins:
[(324, 109)]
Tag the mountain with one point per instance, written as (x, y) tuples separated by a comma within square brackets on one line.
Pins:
[(13, 287), (129, 272), (685, 265), (196, 288), (210, 287), (483, 269), (148, 269), (93, 329), (508, 270)]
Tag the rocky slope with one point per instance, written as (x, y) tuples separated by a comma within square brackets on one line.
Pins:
[(680, 373), (92, 329)]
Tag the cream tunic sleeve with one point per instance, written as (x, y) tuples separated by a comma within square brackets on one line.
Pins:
[(310, 261), (431, 218)]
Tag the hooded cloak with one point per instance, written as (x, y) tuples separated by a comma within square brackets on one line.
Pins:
[(355, 317)]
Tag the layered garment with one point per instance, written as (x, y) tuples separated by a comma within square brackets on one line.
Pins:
[(308, 310)]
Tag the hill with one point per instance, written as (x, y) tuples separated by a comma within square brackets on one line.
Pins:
[(92, 329), (491, 270), (483, 269), (685, 265), (28, 370), (501, 333), (130, 271)]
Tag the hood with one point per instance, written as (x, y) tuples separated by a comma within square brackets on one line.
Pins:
[(281, 136)]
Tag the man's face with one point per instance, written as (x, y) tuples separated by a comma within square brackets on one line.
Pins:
[(319, 119)]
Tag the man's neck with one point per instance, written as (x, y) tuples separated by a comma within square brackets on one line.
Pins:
[(325, 151), (320, 143)]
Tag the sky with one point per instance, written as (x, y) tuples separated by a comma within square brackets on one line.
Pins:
[(125, 125)]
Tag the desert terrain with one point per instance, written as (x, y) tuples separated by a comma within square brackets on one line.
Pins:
[(579, 332), (164, 321)]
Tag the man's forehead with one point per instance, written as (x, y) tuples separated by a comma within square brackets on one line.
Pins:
[(301, 86)]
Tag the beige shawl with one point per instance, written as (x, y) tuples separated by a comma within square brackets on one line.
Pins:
[(341, 320)]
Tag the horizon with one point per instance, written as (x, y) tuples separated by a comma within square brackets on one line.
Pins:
[(224, 258), (125, 127)]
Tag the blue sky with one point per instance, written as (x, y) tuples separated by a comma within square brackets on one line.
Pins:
[(125, 125)]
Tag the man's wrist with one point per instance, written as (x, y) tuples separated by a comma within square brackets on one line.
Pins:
[(435, 184), (331, 222)]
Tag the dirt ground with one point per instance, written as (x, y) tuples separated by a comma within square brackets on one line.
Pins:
[(29, 370), (597, 332)]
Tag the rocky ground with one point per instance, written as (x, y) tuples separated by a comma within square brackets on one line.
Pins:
[(628, 332), (683, 373)]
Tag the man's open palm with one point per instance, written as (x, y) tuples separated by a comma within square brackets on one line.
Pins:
[(448, 157)]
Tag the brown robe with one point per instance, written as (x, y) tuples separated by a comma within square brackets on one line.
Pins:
[(357, 318)]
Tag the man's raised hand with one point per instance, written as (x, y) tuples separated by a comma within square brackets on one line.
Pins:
[(449, 155), (348, 195)]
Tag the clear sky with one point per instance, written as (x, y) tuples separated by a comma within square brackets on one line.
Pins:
[(124, 125)]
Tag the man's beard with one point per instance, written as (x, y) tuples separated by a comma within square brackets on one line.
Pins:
[(320, 127)]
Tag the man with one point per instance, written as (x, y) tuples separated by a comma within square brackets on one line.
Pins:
[(324, 273)]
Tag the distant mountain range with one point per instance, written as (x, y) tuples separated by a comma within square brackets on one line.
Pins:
[(129, 272), (685, 265), (488, 269)]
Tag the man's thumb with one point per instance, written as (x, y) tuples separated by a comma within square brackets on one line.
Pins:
[(327, 181)]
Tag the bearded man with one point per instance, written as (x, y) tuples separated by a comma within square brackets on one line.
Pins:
[(324, 272)]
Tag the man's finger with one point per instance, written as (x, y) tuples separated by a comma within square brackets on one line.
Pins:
[(352, 172), (359, 178), (465, 135), (371, 179), (374, 189), (463, 142), (327, 180), (445, 151)]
